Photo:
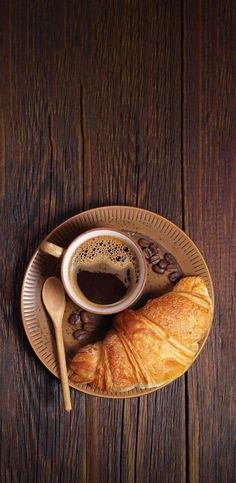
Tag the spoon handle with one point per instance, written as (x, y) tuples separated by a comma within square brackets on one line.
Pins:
[(63, 368)]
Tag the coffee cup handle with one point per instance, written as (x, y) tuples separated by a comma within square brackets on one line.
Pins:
[(51, 249)]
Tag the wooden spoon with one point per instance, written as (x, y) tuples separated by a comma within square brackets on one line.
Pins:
[(55, 302)]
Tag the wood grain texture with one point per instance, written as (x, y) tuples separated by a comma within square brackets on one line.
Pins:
[(209, 186), (93, 99)]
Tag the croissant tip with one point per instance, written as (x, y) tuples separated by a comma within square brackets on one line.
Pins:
[(192, 284)]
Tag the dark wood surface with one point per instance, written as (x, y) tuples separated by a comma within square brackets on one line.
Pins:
[(117, 102)]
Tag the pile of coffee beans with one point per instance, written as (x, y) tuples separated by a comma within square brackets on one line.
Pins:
[(85, 323), (160, 265)]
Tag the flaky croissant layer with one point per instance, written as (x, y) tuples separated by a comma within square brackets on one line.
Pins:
[(150, 346)]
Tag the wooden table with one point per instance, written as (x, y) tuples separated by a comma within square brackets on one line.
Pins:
[(117, 102)]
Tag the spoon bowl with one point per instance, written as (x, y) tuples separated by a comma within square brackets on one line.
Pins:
[(54, 298)]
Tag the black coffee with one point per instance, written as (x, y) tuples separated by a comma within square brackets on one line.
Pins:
[(104, 269), (101, 288)]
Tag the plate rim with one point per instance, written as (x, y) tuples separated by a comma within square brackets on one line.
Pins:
[(122, 395)]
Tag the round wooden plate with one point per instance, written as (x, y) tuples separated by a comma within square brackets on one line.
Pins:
[(136, 223)]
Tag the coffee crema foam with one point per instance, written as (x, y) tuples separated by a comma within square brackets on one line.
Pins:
[(108, 255)]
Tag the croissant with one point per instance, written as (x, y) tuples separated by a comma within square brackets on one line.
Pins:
[(150, 346)]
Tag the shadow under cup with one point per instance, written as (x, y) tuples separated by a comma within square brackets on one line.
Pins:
[(100, 262)]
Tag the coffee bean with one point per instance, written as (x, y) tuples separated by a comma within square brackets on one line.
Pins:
[(96, 319), (154, 259), (172, 267), (162, 264), (154, 248), (74, 318), (143, 242), (80, 334), (147, 253), (85, 317), (170, 258), (157, 269), (174, 277), (89, 327)]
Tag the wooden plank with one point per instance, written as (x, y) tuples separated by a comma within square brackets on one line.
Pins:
[(91, 115), (36, 441), (132, 92), (209, 169)]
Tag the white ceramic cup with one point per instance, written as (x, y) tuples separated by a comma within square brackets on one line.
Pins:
[(76, 295)]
